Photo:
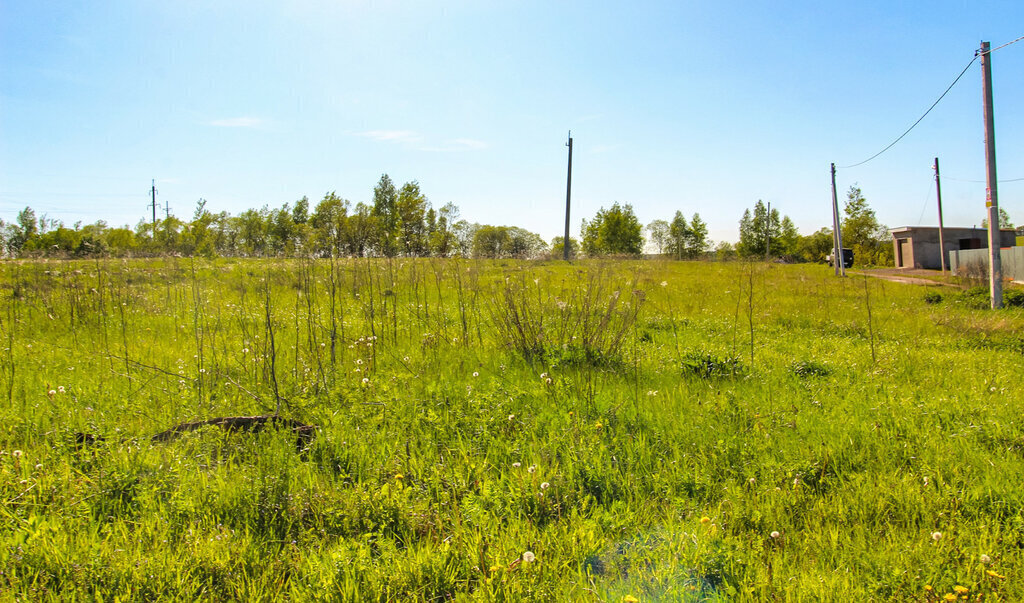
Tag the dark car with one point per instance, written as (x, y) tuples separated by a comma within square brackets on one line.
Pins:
[(847, 258)]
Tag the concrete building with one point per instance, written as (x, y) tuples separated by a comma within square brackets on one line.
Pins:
[(918, 246)]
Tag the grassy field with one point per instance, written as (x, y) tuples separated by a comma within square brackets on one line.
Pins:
[(603, 431)]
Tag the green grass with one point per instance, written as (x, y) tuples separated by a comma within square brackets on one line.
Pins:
[(642, 428)]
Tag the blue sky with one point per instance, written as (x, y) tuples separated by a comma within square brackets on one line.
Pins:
[(693, 106)]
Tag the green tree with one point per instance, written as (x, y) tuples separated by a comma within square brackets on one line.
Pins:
[(816, 246), (1004, 220), (761, 228), (697, 238), (863, 233), (659, 231), (615, 231), (411, 206), (558, 252), (678, 233), (385, 210), (329, 224)]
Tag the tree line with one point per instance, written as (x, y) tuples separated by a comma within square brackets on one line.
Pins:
[(400, 221)]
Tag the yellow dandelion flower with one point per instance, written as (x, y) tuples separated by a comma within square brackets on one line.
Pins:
[(705, 519), (995, 574), (399, 476), (960, 590), (928, 587), (949, 597), (598, 425), (630, 599)]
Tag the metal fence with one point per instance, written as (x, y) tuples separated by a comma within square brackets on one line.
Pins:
[(974, 262)]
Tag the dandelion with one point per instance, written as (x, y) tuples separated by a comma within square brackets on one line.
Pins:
[(949, 597), (517, 464), (543, 375), (751, 481), (51, 393), (664, 283), (995, 574), (60, 389), (17, 454), (985, 559), (406, 359), (630, 599), (39, 466), (936, 536), (399, 476), (366, 381), (928, 587), (598, 425), (545, 485), (705, 519), (532, 468), (652, 392), (529, 557), (960, 590), (476, 374), (359, 360), (775, 534), (548, 381), (510, 417)]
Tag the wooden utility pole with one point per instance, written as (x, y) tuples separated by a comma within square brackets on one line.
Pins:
[(995, 273), (837, 235), (568, 196), (938, 194)]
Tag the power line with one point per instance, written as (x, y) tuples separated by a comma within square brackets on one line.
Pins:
[(893, 143), (981, 181), (1004, 45)]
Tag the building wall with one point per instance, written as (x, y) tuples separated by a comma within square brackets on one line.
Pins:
[(923, 244)]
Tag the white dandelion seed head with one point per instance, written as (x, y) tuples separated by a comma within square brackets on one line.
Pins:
[(17, 454), (510, 417), (548, 381), (476, 374), (359, 360), (936, 536), (985, 559), (366, 380), (544, 485), (543, 375), (664, 283), (60, 389), (517, 464), (775, 534), (406, 359), (529, 557), (531, 468)]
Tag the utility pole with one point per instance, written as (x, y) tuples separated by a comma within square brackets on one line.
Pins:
[(768, 233), (837, 235), (942, 241), (995, 273), (568, 196), (152, 204), (167, 210)]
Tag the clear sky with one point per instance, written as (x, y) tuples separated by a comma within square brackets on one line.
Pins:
[(694, 106)]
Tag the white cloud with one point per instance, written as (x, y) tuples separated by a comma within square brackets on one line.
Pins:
[(239, 122), (391, 135), (415, 141), (469, 143)]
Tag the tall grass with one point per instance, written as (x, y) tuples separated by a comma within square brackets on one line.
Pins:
[(710, 432)]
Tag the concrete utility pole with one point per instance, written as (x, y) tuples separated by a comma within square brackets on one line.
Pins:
[(942, 241), (152, 204), (995, 273), (837, 235), (568, 196)]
